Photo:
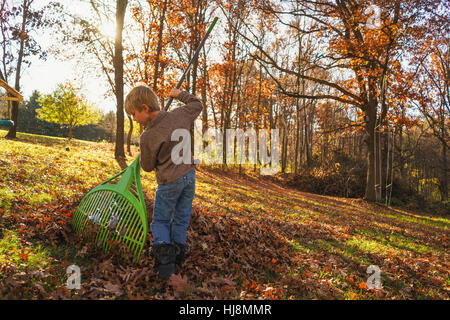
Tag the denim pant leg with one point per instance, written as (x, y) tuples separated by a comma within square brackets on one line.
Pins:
[(183, 209), (165, 201)]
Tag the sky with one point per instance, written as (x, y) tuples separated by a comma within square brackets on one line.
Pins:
[(44, 76)]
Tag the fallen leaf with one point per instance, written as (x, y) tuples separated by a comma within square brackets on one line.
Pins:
[(113, 288), (223, 281), (180, 285)]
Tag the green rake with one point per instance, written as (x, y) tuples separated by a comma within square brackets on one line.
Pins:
[(117, 206)]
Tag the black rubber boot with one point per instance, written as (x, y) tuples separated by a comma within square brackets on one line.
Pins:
[(165, 255), (181, 253)]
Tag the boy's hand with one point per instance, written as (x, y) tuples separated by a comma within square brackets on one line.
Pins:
[(174, 93)]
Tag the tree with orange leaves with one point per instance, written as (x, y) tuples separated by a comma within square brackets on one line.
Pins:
[(363, 44)]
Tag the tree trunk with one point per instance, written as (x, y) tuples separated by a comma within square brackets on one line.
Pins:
[(401, 161), (306, 137), (297, 124), (14, 117), (444, 178), (118, 78), (130, 133), (159, 47), (258, 116), (15, 105), (286, 137), (199, 19), (204, 89), (379, 182), (370, 194), (370, 179)]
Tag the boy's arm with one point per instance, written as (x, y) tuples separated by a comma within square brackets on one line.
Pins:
[(148, 158), (192, 106)]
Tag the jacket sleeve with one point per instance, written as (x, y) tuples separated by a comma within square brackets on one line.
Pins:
[(192, 107), (148, 157)]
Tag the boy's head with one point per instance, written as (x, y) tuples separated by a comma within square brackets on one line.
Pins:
[(139, 96)]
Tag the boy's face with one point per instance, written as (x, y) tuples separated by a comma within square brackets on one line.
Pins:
[(143, 116)]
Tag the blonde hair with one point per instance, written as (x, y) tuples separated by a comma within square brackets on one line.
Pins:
[(141, 94)]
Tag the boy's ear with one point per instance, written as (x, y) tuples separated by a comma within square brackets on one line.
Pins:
[(145, 107)]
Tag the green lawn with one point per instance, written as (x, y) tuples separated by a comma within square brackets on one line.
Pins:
[(249, 237)]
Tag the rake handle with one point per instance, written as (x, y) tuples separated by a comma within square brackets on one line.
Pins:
[(194, 58)]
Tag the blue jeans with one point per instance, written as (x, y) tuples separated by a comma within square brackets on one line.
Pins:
[(172, 210)]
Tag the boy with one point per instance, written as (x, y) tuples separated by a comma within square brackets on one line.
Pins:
[(176, 182)]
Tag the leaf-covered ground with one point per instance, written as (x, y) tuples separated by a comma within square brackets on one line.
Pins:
[(249, 237)]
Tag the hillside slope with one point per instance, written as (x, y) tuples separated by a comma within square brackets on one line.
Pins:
[(249, 237)]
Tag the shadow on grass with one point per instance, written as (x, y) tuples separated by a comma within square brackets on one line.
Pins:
[(245, 197)]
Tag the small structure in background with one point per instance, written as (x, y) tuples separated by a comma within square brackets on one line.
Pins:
[(12, 95)]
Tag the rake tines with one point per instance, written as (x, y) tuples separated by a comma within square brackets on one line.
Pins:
[(117, 209)]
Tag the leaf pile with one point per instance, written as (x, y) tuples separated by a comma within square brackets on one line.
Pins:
[(224, 250)]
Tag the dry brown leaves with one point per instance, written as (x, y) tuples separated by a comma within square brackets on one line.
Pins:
[(231, 256)]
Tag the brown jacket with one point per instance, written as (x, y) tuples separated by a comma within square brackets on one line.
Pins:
[(156, 145)]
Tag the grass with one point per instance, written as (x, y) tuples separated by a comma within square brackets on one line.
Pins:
[(20, 255), (329, 241), (398, 242)]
